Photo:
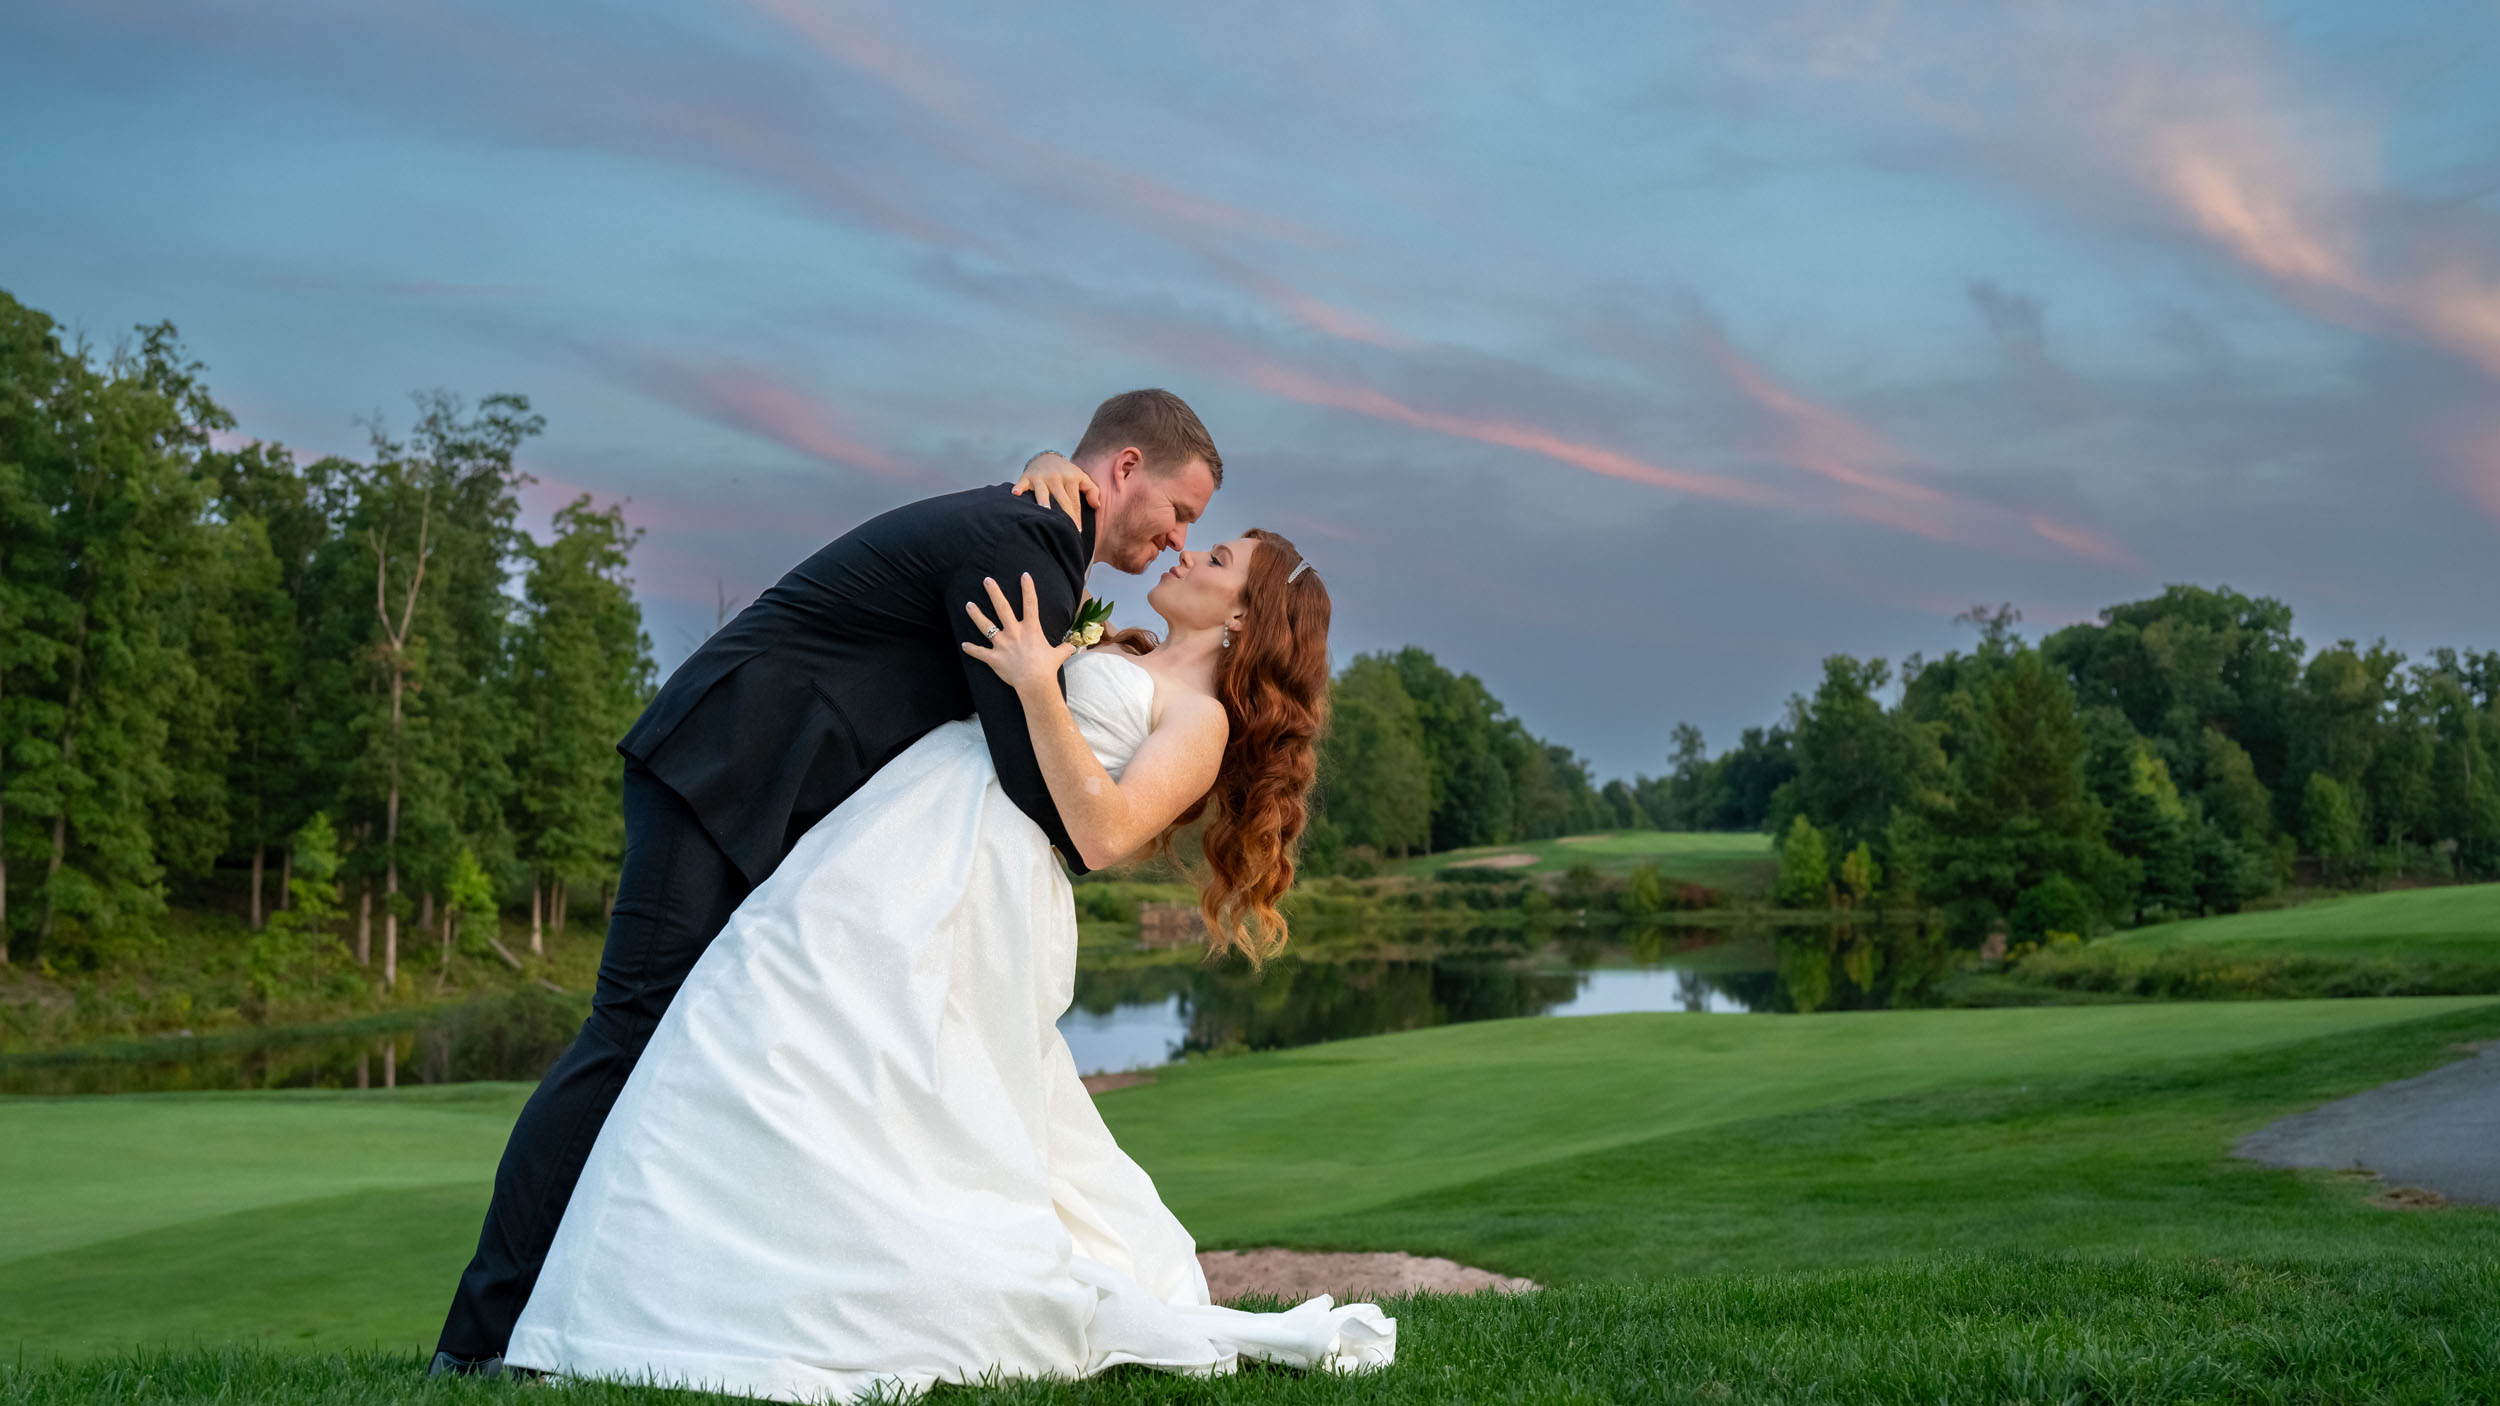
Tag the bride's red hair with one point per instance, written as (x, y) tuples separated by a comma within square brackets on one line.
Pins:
[(1273, 683)]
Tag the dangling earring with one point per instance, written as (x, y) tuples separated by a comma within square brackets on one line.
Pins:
[(1228, 635)]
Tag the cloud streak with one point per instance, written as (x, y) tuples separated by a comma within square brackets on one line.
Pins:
[(1508, 434), (1840, 448), (757, 403)]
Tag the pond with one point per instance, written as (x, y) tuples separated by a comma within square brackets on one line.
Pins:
[(1131, 1012), (1145, 1016)]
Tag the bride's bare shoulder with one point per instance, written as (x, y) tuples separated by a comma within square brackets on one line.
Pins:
[(1189, 712)]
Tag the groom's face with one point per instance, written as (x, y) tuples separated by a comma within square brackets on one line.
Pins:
[(1149, 512)]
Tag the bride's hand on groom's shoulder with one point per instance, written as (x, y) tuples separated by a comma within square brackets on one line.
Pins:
[(1050, 478), (1017, 648)]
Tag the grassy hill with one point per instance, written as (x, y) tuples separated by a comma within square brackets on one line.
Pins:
[(2431, 941), (1613, 1150), (2460, 922), (1733, 862)]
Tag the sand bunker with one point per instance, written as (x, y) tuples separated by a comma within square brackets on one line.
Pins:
[(2433, 1139), (1295, 1275), (1105, 1083), (1496, 861)]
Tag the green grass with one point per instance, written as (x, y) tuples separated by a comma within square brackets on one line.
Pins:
[(1252, 1149), (1734, 862), (2005, 1328), (2418, 942), (1627, 1150), (2460, 923)]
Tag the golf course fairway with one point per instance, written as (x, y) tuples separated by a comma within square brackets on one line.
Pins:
[(1614, 1149)]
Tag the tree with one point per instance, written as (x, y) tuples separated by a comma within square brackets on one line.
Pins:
[(2054, 907), (1375, 783), (1645, 892), (107, 453), (469, 895), (1861, 877), (2189, 660), (2331, 826), (1856, 763), (2233, 796), (581, 671), (290, 938), (2015, 808), (267, 502), (34, 376), (1805, 877), (2149, 825), (397, 611)]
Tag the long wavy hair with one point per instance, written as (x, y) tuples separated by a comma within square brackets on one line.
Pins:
[(1273, 683)]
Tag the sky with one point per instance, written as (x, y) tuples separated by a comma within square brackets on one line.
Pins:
[(1631, 358)]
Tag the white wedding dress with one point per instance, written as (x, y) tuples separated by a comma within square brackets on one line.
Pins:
[(856, 1154)]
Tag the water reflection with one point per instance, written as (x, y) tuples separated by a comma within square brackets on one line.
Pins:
[(1140, 1016), (1133, 1016), (512, 1037)]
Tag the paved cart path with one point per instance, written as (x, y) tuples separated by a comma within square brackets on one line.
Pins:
[(2439, 1131)]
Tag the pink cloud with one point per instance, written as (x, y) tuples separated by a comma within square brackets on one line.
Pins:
[(1834, 445), (753, 402), (2259, 166), (2082, 541), (1608, 463), (1195, 223)]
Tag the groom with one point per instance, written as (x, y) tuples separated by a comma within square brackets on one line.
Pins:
[(765, 729)]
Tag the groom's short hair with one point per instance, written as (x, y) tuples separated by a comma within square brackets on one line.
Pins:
[(1159, 424)]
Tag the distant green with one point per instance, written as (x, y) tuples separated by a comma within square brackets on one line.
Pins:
[(1738, 861), (2417, 942), (2460, 921)]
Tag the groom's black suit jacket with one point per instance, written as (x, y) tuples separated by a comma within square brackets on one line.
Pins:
[(853, 656)]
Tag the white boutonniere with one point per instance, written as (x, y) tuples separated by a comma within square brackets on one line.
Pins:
[(1093, 621)]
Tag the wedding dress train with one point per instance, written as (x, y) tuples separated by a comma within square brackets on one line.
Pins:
[(857, 1154)]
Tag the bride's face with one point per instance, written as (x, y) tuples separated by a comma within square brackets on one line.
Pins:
[(1203, 589)]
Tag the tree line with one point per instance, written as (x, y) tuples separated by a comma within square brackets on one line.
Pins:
[(2181, 755), (1420, 759), (356, 690)]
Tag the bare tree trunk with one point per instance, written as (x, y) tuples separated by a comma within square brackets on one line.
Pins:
[(390, 1063), (538, 946), (286, 876), (397, 635), (259, 869), (364, 1069), (69, 753), (390, 847), (564, 905), (364, 923), (425, 911)]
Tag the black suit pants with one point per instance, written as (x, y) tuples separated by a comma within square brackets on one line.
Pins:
[(676, 893)]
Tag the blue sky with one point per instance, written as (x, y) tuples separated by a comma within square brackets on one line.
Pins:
[(1633, 358)]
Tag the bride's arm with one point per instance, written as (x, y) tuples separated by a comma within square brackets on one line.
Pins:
[(1108, 820)]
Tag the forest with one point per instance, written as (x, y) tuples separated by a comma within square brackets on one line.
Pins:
[(353, 699), (2181, 755), (358, 706)]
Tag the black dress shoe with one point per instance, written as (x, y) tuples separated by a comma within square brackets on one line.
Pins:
[(446, 1365)]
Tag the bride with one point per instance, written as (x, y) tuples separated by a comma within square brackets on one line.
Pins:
[(856, 1156)]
